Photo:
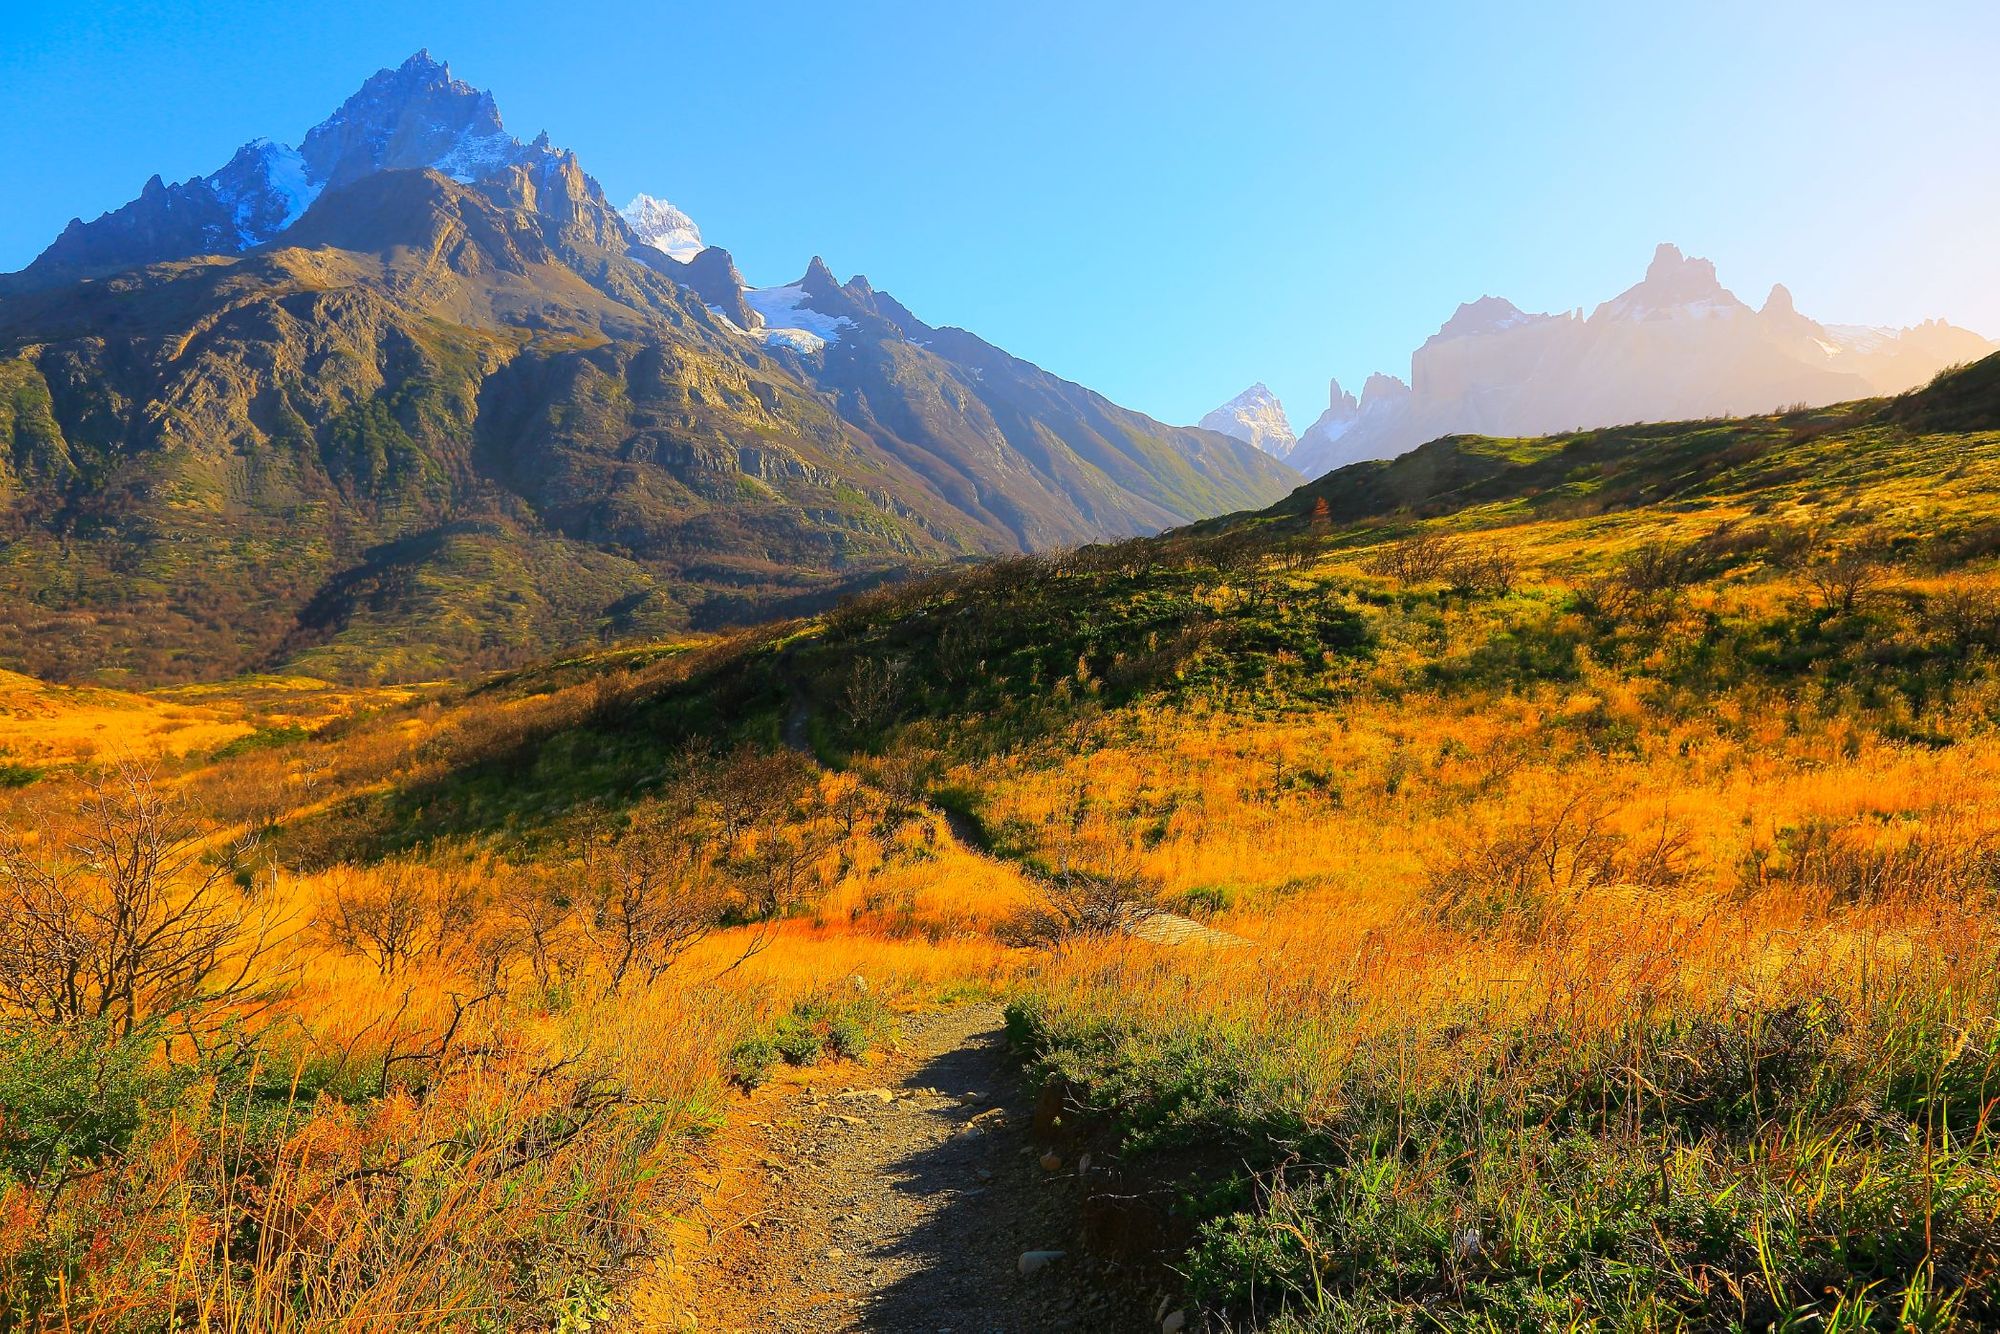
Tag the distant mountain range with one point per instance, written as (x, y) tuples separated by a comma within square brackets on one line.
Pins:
[(1675, 346), (413, 396)]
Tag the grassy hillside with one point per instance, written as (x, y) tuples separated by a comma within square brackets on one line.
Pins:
[(1610, 818)]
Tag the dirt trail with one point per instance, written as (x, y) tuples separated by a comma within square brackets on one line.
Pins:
[(899, 1197)]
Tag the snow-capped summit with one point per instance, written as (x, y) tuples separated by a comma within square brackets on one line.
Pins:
[(1255, 417), (408, 118), (663, 227)]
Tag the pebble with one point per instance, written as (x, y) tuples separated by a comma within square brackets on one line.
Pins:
[(1033, 1262), (1175, 1322), (1051, 1161)]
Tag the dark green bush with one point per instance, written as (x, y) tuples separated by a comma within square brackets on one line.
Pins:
[(73, 1096)]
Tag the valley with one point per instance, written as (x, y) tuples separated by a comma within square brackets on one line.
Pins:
[(1596, 829), (571, 767)]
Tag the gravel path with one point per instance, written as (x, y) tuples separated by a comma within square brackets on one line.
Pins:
[(898, 1198)]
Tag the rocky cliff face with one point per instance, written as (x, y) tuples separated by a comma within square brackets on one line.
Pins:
[(1676, 345)]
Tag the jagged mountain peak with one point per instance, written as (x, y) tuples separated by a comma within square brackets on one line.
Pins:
[(1383, 388), (1675, 345), (819, 280), (416, 115), (1255, 417), (1675, 285)]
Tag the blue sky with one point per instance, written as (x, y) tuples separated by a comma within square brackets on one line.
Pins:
[(1164, 201)]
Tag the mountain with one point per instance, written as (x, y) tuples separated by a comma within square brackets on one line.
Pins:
[(414, 397), (660, 225), (1676, 345), (414, 116), (1255, 417)]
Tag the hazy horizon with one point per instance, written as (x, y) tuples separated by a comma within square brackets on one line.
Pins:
[(1163, 203)]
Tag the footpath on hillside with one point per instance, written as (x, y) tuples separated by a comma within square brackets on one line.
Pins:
[(902, 1196)]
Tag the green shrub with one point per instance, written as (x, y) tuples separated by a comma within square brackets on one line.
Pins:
[(72, 1097), (750, 1060), (1204, 900), (797, 1039), (842, 1024)]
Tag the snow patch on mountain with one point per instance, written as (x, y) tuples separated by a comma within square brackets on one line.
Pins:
[(290, 183), (789, 322), (266, 188), (476, 156), (1861, 338), (663, 227)]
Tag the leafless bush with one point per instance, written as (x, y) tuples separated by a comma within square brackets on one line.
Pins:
[(539, 925), (1786, 545), (400, 913), (752, 789), (1296, 554), (120, 917), (784, 863), (872, 689), (654, 896), (1079, 901), (1946, 858), (1414, 560), (1977, 542), (1843, 582), (1521, 880), (1966, 616), (1651, 581), (1481, 569), (1430, 558)]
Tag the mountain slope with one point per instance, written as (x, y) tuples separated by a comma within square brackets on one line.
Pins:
[(456, 412)]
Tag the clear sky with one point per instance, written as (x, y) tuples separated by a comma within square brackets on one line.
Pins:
[(1165, 201)]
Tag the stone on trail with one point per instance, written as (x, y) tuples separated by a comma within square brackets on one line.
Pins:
[(1033, 1262)]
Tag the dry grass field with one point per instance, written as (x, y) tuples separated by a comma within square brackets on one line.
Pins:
[(1611, 826)]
